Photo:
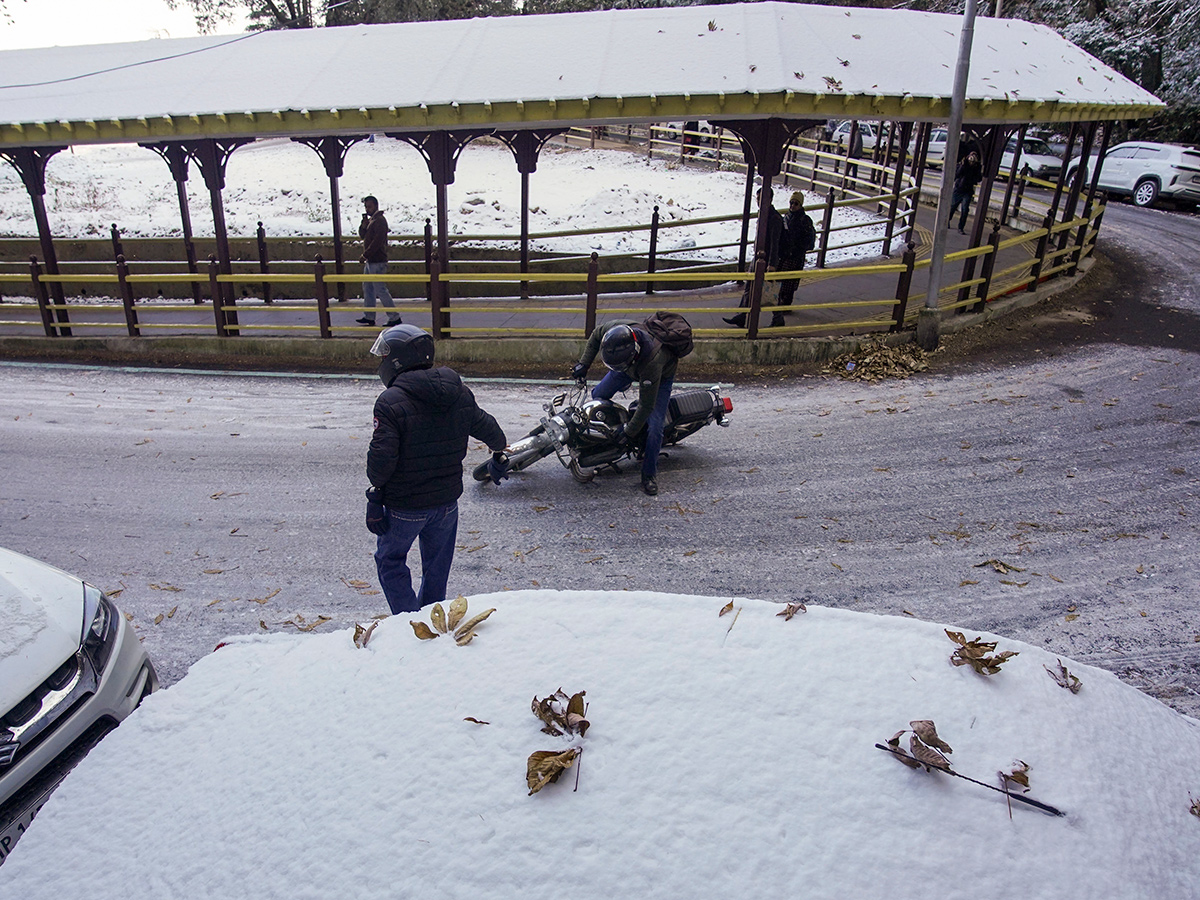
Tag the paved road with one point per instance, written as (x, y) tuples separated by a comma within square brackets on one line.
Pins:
[(1062, 442)]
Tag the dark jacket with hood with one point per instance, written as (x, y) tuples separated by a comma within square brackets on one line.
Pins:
[(422, 423)]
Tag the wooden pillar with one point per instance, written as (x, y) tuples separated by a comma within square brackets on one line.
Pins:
[(30, 163), (211, 155), (175, 155), (332, 150), (526, 146)]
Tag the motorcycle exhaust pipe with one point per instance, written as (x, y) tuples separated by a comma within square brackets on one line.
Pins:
[(601, 457)]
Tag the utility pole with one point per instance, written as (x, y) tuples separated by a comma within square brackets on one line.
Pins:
[(929, 319)]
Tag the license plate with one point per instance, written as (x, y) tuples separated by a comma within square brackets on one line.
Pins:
[(14, 828)]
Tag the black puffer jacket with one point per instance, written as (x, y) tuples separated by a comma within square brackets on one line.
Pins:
[(422, 423)]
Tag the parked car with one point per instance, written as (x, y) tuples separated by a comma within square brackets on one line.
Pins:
[(1043, 162), (868, 130), (71, 669), (935, 157), (1146, 171)]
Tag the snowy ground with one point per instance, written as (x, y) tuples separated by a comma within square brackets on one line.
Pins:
[(284, 185), (727, 756)]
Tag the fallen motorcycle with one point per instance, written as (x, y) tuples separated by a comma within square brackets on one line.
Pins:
[(582, 431)]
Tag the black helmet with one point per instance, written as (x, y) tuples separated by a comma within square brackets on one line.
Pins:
[(402, 347), (619, 349)]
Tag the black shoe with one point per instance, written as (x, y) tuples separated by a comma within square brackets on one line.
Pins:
[(365, 321), (650, 486), (738, 321), (395, 321), (777, 320), (960, 231)]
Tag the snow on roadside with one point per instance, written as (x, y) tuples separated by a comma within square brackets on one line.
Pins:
[(283, 185), (727, 757)]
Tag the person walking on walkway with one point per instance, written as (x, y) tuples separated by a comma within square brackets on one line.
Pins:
[(374, 233), (423, 419), (968, 174)]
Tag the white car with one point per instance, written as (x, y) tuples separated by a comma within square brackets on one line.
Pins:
[(1145, 171), (71, 669), (868, 130), (1043, 162), (935, 157)]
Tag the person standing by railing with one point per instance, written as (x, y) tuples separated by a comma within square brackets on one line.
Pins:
[(770, 252), (799, 236), (374, 233)]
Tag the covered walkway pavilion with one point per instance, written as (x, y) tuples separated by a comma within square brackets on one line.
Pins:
[(764, 71)]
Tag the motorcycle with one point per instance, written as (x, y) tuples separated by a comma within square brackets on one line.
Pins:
[(582, 431)]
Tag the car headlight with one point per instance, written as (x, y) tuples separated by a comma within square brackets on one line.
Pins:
[(101, 633)]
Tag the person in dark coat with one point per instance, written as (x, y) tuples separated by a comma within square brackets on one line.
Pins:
[(799, 236), (968, 174), (422, 421), (631, 354), (373, 229), (775, 227)]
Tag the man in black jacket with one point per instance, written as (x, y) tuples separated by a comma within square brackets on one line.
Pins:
[(414, 463), (374, 233), (770, 252), (968, 174)]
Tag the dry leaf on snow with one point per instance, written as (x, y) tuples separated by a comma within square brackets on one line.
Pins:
[(544, 766), (977, 654), (1063, 678), (458, 609), (791, 609), (421, 630), (727, 608)]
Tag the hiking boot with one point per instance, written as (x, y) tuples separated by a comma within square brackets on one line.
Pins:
[(650, 486), (365, 321)]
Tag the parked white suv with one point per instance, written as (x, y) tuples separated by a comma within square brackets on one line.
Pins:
[(71, 668), (1146, 171)]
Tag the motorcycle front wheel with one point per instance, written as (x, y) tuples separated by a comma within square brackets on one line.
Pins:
[(522, 454)]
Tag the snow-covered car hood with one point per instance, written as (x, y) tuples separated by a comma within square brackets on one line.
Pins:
[(41, 622)]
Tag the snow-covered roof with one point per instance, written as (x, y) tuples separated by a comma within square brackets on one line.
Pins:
[(735, 61)]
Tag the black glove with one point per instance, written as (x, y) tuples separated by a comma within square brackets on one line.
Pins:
[(579, 372), (620, 438), (377, 516), (498, 467)]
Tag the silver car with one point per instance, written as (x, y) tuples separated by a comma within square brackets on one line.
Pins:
[(71, 669), (1043, 162), (1145, 171)]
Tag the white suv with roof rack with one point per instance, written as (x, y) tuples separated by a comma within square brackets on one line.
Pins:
[(1146, 171)]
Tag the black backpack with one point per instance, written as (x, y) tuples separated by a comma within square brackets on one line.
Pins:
[(672, 331), (807, 238)]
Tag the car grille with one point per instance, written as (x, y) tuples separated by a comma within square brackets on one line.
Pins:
[(47, 707)]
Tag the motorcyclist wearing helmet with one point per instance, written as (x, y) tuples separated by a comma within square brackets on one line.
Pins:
[(632, 354), (423, 419)]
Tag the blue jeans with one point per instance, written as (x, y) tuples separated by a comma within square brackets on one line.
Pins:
[(437, 529), (373, 289), (615, 382)]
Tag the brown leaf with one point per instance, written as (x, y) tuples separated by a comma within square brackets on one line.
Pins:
[(926, 754), (975, 654), (791, 609), (1063, 678), (171, 614), (925, 730), (1018, 775), (437, 616), (362, 635), (458, 609), (158, 619), (421, 630), (464, 638), (544, 766), (475, 720), (470, 625), (727, 608), (999, 565)]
